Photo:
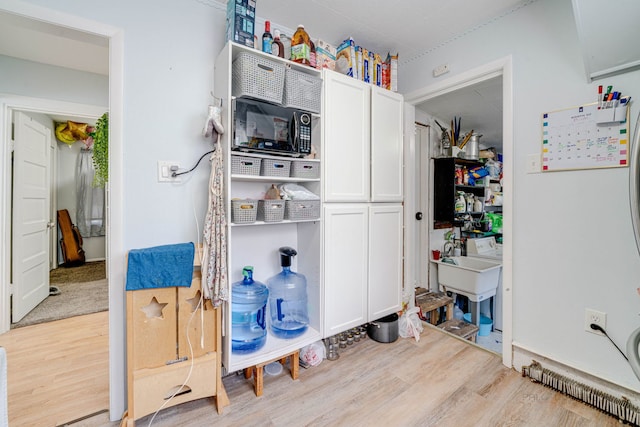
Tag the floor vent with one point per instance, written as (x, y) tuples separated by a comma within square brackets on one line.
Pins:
[(617, 407)]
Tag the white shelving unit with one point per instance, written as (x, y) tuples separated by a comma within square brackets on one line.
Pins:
[(257, 243)]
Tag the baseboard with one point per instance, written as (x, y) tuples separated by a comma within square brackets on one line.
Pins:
[(524, 357)]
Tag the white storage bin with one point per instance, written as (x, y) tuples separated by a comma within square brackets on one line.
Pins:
[(242, 165), (258, 77), (276, 167), (305, 169), (302, 209), (271, 210), (244, 211), (302, 91)]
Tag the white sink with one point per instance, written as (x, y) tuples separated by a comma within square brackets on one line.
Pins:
[(474, 278)]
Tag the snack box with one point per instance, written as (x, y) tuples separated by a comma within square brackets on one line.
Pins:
[(241, 15), (346, 57), (325, 55)]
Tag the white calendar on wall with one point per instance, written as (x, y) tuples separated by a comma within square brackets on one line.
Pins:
[(577, 138)]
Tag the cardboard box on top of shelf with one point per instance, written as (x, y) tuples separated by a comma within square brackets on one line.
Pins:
[(325, 55), (346, 57), (241, 15)]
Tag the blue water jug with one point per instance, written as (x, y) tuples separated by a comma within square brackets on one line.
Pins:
[(288, 299), (248, 314)]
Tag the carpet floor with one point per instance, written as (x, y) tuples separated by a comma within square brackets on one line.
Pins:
[(83, 290)]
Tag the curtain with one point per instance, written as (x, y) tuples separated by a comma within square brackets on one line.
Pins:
[(90, 212)]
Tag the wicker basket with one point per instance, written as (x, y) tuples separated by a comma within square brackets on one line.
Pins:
[(257, 77), (302, 209), (304, 169), (273, 167), (244, 211), (271, 210), (302, 91), (243, 165)]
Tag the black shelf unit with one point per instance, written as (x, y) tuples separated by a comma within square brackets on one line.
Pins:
[(445, 188)]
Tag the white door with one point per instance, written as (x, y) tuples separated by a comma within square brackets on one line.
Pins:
[(346, 138), (386, 146), (345, 266), (385, 260), (30, 220)]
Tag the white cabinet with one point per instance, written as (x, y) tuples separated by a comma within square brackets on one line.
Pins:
[(257, 243), (362, 263), (363, 141)]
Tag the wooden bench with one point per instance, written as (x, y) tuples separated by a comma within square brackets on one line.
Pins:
[(431, 302), (460, 328), (258, 370)]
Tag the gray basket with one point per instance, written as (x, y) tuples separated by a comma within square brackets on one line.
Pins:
[(257, 77), (244, 211), (302, 91), (271, 210), (304, 169), (302, 209), (243, 165), (273, 167)]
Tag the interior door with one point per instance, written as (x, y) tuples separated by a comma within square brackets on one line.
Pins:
[(30, 220)]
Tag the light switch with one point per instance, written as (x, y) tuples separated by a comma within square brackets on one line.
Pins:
[(533, 163)]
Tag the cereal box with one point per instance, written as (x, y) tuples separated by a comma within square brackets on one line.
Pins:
[(346, 57), (325, 55)]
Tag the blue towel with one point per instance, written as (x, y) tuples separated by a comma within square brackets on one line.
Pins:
[(160, 267)]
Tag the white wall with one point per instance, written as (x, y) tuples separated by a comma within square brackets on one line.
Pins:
[(573, 246)]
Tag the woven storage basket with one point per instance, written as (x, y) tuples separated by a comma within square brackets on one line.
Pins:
[(303, 169), (244, 211), (242, 165), (271, 210), (273, 167), (302, 209), (257, 77), (302, 91)]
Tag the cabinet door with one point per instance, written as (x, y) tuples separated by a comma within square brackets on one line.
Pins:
[(345, 267), (385, 260), (386, 145), (346, 135)]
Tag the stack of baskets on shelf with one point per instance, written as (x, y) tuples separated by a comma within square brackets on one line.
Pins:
[(283, 168), (247, 211), (269, 80)]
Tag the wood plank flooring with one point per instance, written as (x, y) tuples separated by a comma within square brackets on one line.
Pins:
[(439, 381), (57, 371)]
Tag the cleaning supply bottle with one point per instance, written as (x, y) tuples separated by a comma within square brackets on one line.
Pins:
[(248, 314), (461, 203), (267, 38), (301, 46), (277, 48), (287, 299)]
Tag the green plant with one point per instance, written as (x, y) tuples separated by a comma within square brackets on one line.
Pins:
[(101, 151)]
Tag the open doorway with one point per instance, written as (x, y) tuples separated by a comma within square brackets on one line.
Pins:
[(498, 71), (113, 38)]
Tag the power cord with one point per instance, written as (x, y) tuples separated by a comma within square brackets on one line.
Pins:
[(596, 327), (174, 174)]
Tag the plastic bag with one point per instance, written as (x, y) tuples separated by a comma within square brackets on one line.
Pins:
[(410, 324), (313, 353)]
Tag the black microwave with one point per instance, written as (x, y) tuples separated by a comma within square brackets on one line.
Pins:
[(268, 128)]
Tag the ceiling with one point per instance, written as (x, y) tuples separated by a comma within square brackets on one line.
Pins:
[(411, 28)]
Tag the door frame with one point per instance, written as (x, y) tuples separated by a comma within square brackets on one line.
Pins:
[(502, 67), (115, 187)]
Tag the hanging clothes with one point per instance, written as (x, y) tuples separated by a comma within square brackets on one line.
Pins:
[(90, 211), (214, 262)]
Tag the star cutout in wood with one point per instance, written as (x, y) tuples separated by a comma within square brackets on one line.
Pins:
[(195, 301), (154, 309)]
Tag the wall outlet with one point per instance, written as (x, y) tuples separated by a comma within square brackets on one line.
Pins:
[(597, 317), (165, 169), (440, 70)]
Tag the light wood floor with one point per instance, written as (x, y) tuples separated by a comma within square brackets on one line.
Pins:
[(439, 381), (57, 371)]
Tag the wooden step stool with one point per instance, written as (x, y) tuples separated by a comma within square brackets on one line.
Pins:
[(258, 370), (460, 328), (431, 302)]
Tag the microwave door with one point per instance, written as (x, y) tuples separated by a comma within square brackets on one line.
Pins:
[(295, 132)]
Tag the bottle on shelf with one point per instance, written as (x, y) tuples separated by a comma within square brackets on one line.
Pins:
[(267, 38), (248, 314), (288, 299), (277, 47), (312, 55), (301, 46)]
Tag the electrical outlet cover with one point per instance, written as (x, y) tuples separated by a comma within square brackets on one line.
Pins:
[(597, 317)]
